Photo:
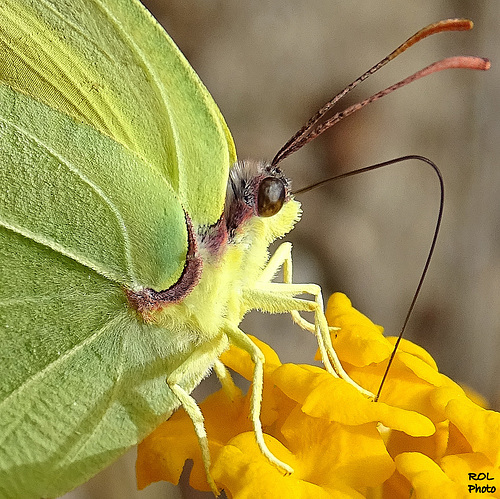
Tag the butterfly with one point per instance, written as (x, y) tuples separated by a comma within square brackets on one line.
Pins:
[(132, 241)]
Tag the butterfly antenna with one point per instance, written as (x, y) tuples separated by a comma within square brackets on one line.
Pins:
[(315, 127), (431, 248)]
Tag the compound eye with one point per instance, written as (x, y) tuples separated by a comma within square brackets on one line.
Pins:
[(271, 197)]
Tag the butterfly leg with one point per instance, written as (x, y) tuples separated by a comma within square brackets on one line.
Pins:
[(241, 340), (279, 297), (282, 258), (226, 381), (198, 357)]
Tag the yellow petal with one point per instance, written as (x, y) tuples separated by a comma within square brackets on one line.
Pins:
[(239, 360), (404, 388), (479, 426), (329, 460), (457, 443), (161, 455), (396, 487), (332, 454), (413, 349), (433, 446), (323, 396), (359, 341), (472, 469), (427, 478), (241, 469), (476, 397), (422, 369)]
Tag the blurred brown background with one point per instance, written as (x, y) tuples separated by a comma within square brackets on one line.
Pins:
[(270, 65)]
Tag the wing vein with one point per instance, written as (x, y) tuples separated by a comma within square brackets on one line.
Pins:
[(79, 96), (106, 200), (46, 298), (55, 246), (79, 444), (53, 365), (154, 79)]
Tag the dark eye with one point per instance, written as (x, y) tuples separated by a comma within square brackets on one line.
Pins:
[(271, 197)]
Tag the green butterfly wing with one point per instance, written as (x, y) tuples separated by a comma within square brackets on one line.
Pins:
[(76, 191), (110, 65), (102, 151)]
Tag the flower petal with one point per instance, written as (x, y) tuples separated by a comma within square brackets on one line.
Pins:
[(434, 446), (331, 453), (461, 467), (329, 460), (479, 426), (239, 360), (413, 349), (162, 455), (339, 443), (323, 396), (241, 469), (427, 478), (359, 341)]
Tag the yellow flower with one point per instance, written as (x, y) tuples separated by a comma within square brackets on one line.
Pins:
[(423, 437)]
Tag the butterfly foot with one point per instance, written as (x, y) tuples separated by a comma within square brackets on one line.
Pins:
[(213, 487), (283, 467), (333, 331)]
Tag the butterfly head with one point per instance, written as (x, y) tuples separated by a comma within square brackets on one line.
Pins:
[(254, 189)]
